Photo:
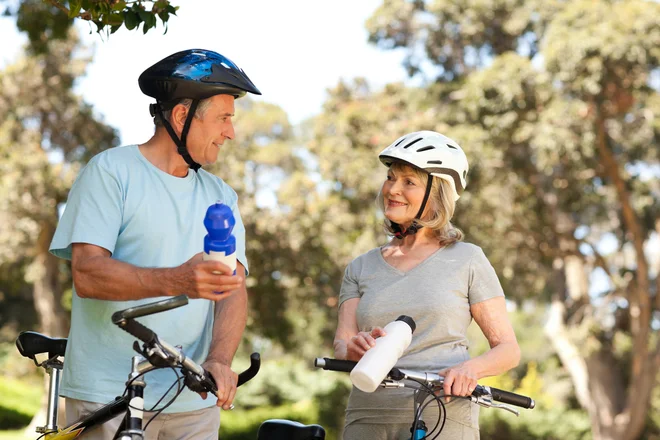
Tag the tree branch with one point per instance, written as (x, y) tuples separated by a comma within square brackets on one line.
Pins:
[(59, 6), (600, 261), (568, 352)]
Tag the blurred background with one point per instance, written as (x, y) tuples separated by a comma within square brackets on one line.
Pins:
[(555, 103)]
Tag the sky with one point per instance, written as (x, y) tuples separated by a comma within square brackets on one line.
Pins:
[(293, 50)]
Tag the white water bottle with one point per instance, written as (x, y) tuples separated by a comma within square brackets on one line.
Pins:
[(379, 360)]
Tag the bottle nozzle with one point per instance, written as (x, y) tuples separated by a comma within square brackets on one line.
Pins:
[(408, 320)]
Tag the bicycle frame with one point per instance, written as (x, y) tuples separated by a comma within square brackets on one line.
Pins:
[(132, 405)]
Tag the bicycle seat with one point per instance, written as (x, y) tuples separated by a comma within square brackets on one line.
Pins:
[(30, 344), (276, 429)]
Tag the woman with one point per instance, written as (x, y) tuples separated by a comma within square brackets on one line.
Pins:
[(425, 272)]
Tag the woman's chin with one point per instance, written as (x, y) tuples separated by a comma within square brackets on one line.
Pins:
[(399, 220)]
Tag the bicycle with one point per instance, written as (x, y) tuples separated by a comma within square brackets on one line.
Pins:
[(427, 387), (153, 354)]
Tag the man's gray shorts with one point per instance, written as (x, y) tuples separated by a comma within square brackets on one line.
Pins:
[(202, 424)]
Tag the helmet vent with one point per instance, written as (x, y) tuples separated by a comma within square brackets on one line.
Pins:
[(464, 174), (402, 139), (451, 146), (436, 162), (225, 66), (412, 143), (430, 147)]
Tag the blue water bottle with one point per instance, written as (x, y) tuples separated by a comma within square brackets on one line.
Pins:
[(220, 243)]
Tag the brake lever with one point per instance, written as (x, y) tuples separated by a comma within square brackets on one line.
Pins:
[(208, 382), (200, 384), (506, 408)]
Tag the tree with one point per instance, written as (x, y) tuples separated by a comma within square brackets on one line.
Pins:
[(45, 21), (556, 103), (46, 133)]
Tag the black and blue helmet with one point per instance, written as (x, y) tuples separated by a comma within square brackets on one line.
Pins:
[(195, 74)]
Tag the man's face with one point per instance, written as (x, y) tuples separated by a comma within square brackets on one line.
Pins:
[(207, 134)]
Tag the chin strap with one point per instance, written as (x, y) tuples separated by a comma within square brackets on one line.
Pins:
[(399, 232), (180, 143)]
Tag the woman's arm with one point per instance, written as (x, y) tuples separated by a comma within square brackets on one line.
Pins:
[(346, 327), (504, 353), (350, 343)]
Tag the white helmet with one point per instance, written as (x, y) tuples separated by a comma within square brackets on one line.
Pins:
[(434, 153)]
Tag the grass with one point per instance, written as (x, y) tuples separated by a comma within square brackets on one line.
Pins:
[(20, 401)]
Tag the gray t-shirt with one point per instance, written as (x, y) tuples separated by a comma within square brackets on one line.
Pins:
[(437, 294)]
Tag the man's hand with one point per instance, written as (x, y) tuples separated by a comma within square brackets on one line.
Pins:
[(198, 278), (226, 381)]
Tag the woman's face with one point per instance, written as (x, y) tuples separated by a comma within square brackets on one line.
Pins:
[(403, 193)]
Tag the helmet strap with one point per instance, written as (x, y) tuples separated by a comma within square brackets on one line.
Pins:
[(399, 232), (181, 143)]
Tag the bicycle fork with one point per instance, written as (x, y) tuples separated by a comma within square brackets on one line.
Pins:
[(419, 429), (131, 426)]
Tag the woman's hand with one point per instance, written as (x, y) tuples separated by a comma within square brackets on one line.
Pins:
[(358, 345), (460, 380)]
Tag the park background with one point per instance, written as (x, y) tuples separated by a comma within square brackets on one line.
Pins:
[(555, 103)]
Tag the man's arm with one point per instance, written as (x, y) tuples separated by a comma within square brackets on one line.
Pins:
[(228, 326), (96, 275)]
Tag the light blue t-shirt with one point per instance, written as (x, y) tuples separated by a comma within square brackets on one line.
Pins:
[(147, 218)]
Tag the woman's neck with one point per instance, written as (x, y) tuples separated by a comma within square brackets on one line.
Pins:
[(423, 238)]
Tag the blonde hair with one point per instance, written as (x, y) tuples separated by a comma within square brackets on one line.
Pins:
[(202, 107), (438, 211)]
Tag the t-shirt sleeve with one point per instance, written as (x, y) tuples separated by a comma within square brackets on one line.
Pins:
[(239, 232), (483, 283), (349, 285), (93, 212)]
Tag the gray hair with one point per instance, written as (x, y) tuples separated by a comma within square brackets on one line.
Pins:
[(199, 113), (439, 208)]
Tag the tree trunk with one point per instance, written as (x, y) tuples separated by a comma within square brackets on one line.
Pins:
[(47, 293), (53, 319), (599, 384)]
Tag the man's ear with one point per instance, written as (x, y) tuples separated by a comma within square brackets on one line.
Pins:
[(178, 118)]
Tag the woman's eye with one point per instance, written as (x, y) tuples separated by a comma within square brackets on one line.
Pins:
[(410, 182)]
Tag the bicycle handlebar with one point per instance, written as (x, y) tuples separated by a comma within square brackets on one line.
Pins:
[(149, 309), (197, 378), (398, 374)]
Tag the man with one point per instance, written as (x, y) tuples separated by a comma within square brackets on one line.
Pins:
[(133, 229)]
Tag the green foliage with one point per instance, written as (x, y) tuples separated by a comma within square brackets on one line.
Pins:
[(540, 423), (57, 132), (20, 401), (45, 21)]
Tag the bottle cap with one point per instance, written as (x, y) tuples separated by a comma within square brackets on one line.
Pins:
[(408, 320)]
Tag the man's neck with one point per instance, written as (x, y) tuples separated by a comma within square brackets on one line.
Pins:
[(161, 151)]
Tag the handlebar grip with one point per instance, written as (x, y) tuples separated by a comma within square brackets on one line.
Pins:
[(208, 381), (253, 369), (512, 398), (335, 364), (138, 330)]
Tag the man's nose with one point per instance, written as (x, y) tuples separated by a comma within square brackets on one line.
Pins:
[(229, 131)]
